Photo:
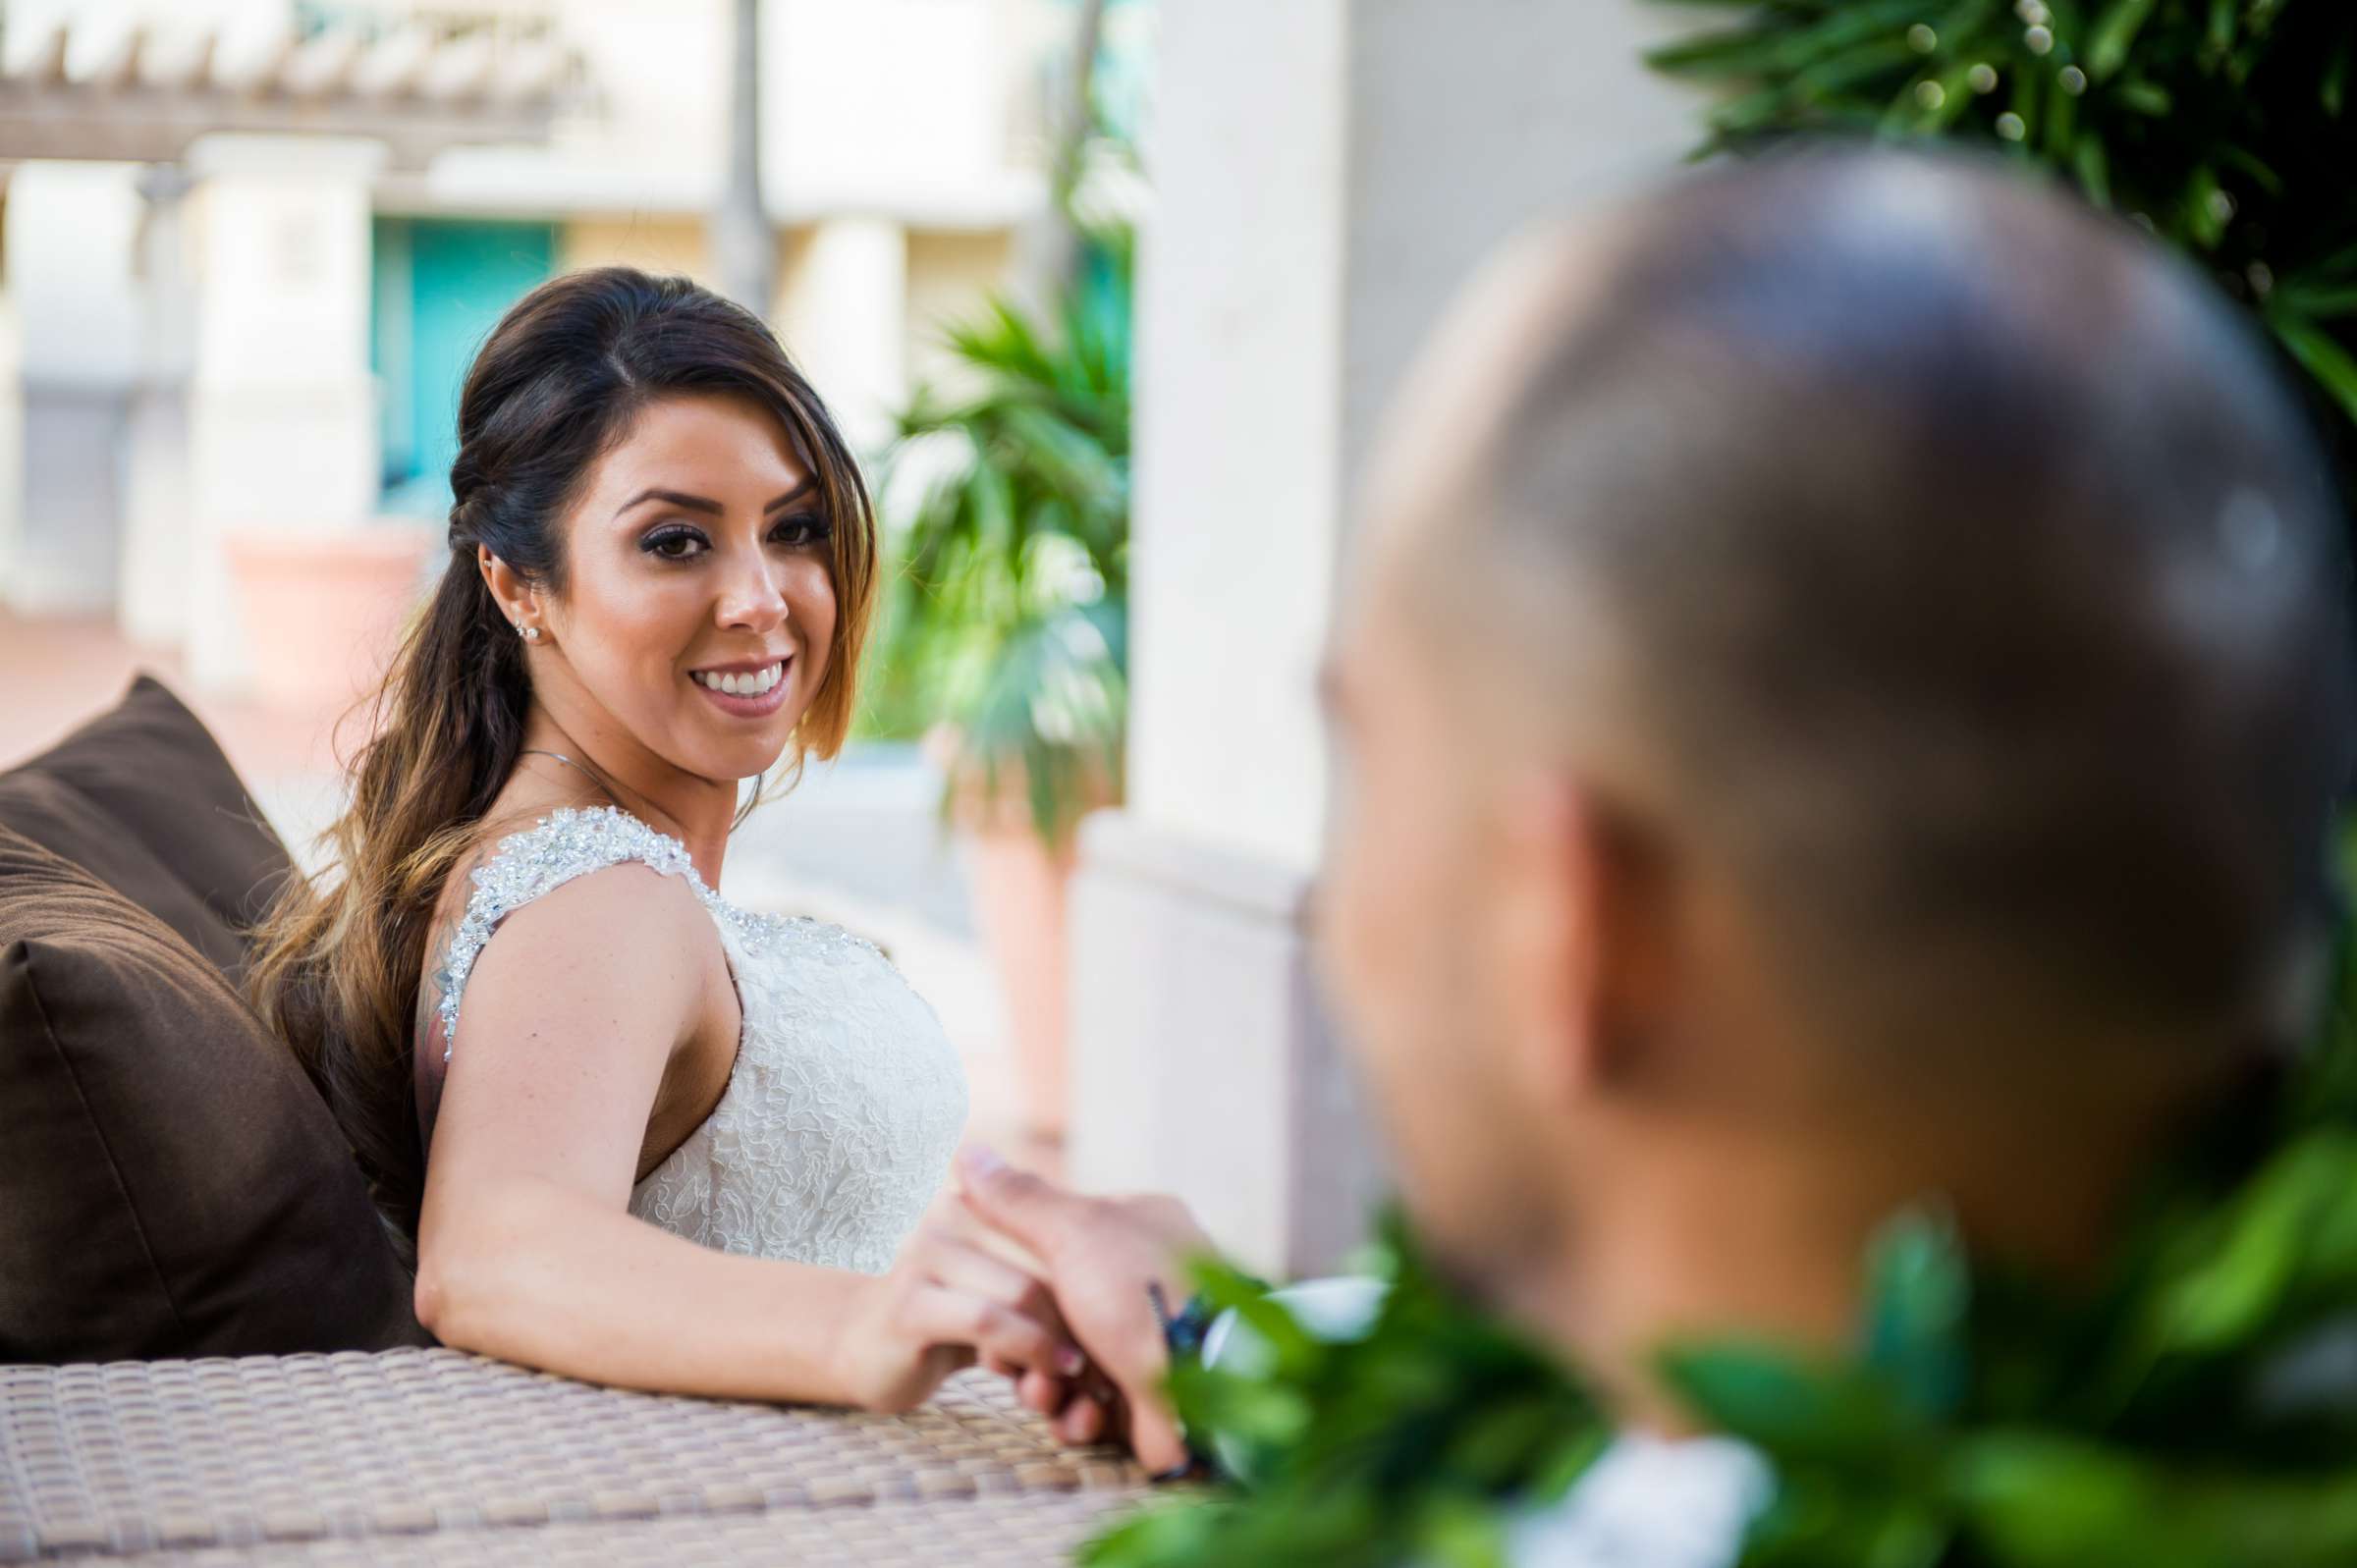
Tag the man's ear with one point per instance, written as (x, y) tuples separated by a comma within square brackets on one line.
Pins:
[(1544, 913), (1586, 944)]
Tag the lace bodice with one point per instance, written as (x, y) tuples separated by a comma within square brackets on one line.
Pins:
[(845, 1101)]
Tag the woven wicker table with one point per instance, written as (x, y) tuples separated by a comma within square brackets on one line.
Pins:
[(439, 1457)]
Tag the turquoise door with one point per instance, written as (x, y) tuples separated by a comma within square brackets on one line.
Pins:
[(441, 285)]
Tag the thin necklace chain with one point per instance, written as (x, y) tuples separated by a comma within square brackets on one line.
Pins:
[(536, 752)]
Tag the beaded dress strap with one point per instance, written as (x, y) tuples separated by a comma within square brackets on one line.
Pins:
[(569, 843)]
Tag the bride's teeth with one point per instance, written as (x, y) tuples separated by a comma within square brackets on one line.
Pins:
[(745, 685)]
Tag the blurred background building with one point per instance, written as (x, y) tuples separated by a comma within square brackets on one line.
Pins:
[(248, 247), (251, 245)]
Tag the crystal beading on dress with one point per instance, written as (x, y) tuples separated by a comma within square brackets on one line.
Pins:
[(845, 1101)]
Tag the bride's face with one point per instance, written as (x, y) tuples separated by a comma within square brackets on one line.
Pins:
[(697, 560)]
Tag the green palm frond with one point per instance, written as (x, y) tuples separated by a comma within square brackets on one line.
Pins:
[(1004, 610)]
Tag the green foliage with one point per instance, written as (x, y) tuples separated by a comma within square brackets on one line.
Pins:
[(2178, 1416), (1004, 607), (1396, 1447), (2224, 126), (2193, 1407)]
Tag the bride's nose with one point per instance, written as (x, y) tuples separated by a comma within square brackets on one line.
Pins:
[(753, 596)]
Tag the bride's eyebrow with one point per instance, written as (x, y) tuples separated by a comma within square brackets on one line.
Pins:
[(706, 503), (673, 498), (809, 483)]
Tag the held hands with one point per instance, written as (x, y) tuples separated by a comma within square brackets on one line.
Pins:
[(1089, 1353), (1100, 1254), (944, 1305)]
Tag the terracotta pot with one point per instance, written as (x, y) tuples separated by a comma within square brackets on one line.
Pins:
[(322, 610), (1020, 887)]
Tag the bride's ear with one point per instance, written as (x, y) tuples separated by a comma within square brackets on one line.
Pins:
[(514, 596)]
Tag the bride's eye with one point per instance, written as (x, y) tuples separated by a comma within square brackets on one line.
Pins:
[(800, 532), (673, 544)]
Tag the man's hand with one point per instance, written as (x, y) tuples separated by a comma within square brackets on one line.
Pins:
[(1100, 1255)]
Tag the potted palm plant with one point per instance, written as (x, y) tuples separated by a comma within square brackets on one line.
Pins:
[(1006, 616)]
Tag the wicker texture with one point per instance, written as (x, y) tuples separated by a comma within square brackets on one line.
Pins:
[(989, 1533), (434, 1456)]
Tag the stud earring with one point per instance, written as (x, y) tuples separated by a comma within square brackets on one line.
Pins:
[(529, 633)]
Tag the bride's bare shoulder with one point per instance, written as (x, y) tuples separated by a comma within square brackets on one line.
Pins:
[(551, 920), (622, 944)]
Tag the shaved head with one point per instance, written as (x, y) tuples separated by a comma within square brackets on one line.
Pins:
[(1935, 557)]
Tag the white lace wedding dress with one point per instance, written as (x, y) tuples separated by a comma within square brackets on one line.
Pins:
[(846, 1101)]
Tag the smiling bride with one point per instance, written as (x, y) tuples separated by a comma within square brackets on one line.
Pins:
[(633, 1133)]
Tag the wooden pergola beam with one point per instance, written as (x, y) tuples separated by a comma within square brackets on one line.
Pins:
[(417, 91), (45, 120)]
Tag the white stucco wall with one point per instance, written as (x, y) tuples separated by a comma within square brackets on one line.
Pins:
[(1468, 121), (12, 441), (69, 247), (1239, 364), (282, 412), (69, 250), (899, 101), (899, 108), (1326, 174), (843, 314)]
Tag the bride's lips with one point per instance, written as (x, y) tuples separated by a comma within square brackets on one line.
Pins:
[(738, 705)]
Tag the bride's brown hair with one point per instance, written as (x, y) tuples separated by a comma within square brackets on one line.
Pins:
[(557, 384)]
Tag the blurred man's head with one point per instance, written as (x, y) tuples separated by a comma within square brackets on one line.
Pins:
[(1843, 693)]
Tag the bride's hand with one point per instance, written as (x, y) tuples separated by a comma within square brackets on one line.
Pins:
[(943, 1306)]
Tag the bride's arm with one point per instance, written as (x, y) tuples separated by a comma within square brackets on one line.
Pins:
[(543, 1275), (527, 1250)]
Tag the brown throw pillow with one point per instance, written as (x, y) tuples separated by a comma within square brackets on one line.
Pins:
[(169, 1183), (142, 799)]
